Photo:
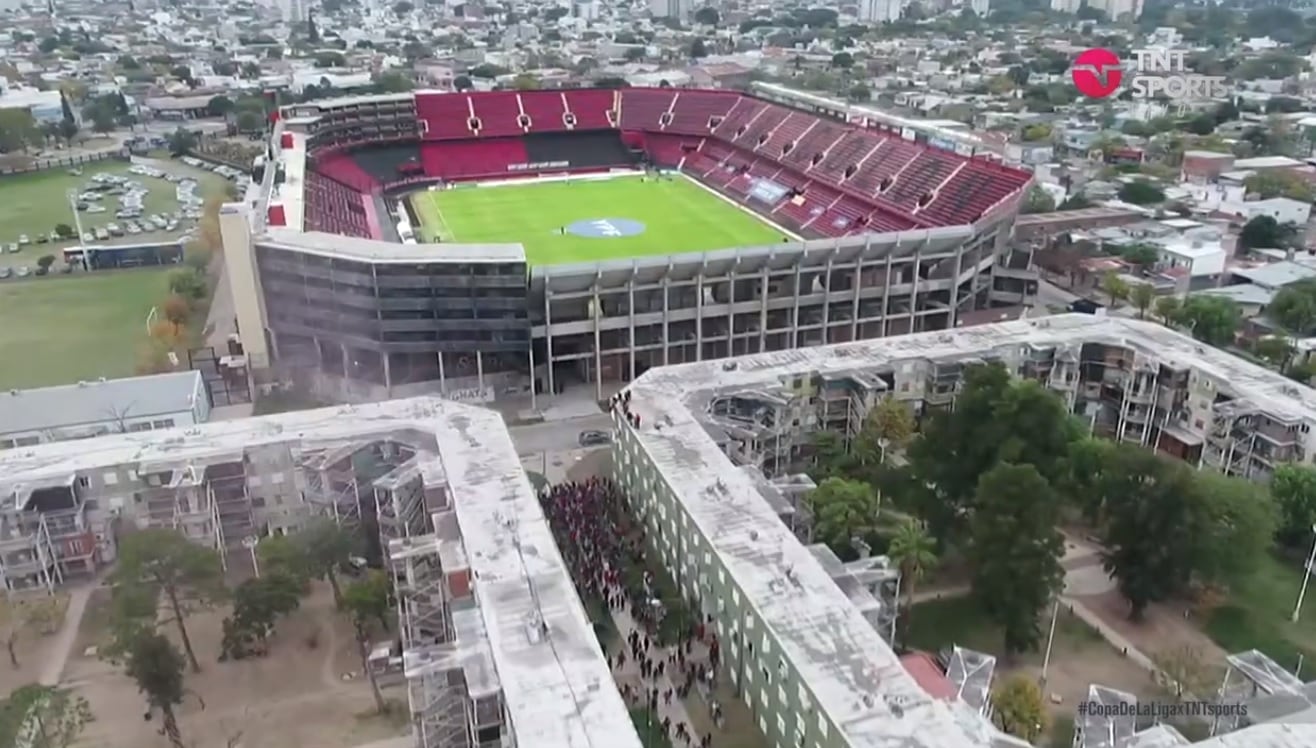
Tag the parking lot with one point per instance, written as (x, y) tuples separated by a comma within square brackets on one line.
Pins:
[(114, 202)]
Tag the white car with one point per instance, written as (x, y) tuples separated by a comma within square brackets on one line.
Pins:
[(23, 239), (23, 272), (13, 247)]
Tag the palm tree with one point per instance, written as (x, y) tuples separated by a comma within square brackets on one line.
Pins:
[(914, 551)]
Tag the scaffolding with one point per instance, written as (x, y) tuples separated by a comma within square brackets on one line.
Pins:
[(1250, 676), (1103, 724), (44, 535), (971, 673), (336, 480)]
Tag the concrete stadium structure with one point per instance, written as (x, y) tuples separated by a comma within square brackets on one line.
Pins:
[(497, 647), (809, 664), (906, 237)]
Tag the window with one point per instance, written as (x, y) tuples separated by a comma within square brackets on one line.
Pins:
[(277, 478), (822, 727), (781, 725), (27, 441), (141, 426), (254, 481), (804, 699), (167, 423), (781, 697), (763, 725), (110, 478)]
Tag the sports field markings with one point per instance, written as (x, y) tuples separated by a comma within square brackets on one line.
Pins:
[(441, 230)]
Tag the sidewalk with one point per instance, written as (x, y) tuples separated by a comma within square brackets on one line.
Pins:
[(628, 674)]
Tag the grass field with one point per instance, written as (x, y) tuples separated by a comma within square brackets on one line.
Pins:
[(67, 328), (1257, 616), (676, 215)]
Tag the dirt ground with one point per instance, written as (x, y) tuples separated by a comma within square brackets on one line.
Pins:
[(1163, 628), (33, 649), (1081, 658), (293, 698)]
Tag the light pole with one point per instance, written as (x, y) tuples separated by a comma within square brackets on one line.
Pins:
[(250, 544), (77, 219), (1306, 577), (1050, 640)]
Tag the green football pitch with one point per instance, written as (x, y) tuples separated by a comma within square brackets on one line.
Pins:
[(590, 220)]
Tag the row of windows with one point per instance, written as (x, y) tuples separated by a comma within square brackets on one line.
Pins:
[(30, 441), (683, 549)]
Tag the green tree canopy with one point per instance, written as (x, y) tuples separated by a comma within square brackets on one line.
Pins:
[(1015, 550), (843, 509)]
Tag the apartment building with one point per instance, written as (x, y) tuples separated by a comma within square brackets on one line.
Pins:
[(495, 645), (812, 666)]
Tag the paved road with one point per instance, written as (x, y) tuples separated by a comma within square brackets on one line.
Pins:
[(556, 436), (53, 668)]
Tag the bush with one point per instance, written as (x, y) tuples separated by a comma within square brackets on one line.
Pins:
[(197, 257), (65, 230), (45, 261), (188, 283)]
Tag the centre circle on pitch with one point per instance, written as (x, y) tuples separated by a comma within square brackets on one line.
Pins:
[(606, 228)]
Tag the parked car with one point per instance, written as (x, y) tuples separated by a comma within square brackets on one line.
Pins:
[(13, 247), (4, 272), (23, 239), (23, 272), (595, 438)]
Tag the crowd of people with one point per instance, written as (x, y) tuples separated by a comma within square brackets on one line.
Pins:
[(587, 518)]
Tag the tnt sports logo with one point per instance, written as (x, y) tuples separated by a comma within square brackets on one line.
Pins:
[(1158, 74), (1097, 73)]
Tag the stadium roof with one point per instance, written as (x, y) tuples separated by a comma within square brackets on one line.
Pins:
[(854, 676), (557, 687), (375, 250), (98, 402)]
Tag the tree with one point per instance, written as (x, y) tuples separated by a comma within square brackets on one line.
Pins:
[(859, 93), (1237, 527), (182, 141), (1277, 351), (1014, 551), (890, 424), (1038, 201), (1294, 489), (995, 419), (1276, 183), (1167, 308), (285, 555), (176, 310), (1142, 296), (1294, 307), (1076, 201), (1141, 192), (52, 717), (188, 283), (1018, 708), (40, 614), (249, 121), (1148, 523), (1264, 232), (842, 60), (219, 106), (366, 601), (187, 574), (45, 261), (843, 509), (1142, 255), (258, 604), (707, 16), (394, 82), (156, 666), (914, 551), (1116, 288), (697, 49), (1184, 672), (462, 83), (66, 108), (1210, 319), (402, 8), (525, 82), (328, 547), (18, 131)]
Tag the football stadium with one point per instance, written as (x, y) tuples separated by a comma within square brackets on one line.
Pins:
[(483, 243)]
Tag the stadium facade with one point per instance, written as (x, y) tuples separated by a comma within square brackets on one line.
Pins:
[(495, 644), (894, 235), (694, 444)]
